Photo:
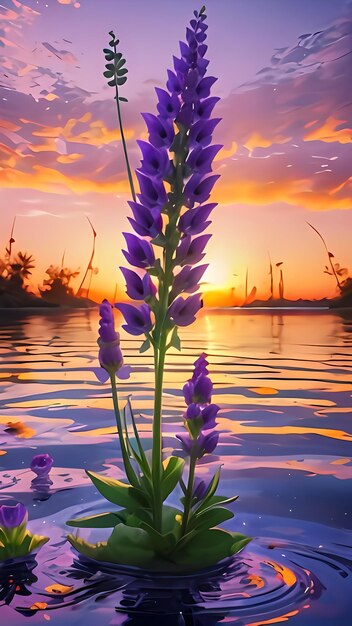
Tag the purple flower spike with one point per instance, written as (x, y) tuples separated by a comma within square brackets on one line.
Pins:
[(12, 516), (110, 355), (183, 312), (161, 133), (138, 320), (140, 253), (41, 464), (138, 288), (153, 193), (191, 251), (198, 189), (194, 221)]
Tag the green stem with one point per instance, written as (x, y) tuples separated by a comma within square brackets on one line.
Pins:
[(159, 359), (126, 461), (129, 172), (189, 494)]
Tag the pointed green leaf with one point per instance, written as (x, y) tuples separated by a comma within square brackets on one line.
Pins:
[(175, 341), (123, 99), (210, 518), (146, 344), (103, 520), (172, 472), (117, 492)]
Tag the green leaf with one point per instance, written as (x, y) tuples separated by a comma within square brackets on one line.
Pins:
[(175, 340), (109, 56), (103, 520), (112, 42), (122, 72), (215, 501), (239, 542), (123, 99), (110, 67), (117, 56), (172, 472), (206, 548), (112, 83), (117, 492), (202, 10), (146, 344), (120, 63), (121, 81), (210, 518), (213, 485), (108, 74)]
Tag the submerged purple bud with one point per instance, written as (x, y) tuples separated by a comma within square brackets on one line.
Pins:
[(194, 221), (190, 251), (153, 193), (161, 132), (183, 312), (12, 516), (198, 189), (138, 319), (138, 288), (41, 464), (139, 252)]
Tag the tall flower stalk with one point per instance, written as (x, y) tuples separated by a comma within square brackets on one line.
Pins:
[(175, 182), (169, 216)]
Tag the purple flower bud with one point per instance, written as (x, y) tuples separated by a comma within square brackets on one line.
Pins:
[(106, 324), (168, 105), (200, 159), (187, 280), (193, 412), (182, 312), (207, 442), (204, 109), (209, 414), (200, 366), (139, 252), (146, 222), (138, 319), (198, 391), (155, 161), (198, 189), (204, 444), (161, 132), (202, 50), (201, 132), (191, 251), (194, 221), (202, 65), (153, 193), (186, 53), (41, 464), (138, 288), (199, 488), (181, 67), (12, 516), (204, 86), (173, 84)]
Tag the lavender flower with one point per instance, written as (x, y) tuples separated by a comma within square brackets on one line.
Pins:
[(205, 443), (110, 355), (139, 253), (12, 516), (183, 312), (138, 288), (138, 320), (41, 464)]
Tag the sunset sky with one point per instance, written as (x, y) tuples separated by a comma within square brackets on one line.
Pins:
[(284, 69)]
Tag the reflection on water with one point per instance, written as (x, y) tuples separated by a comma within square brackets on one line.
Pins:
[(284, 383)]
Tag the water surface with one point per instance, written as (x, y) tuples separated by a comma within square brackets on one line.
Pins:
[(284, 383)]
